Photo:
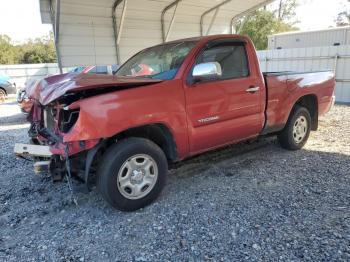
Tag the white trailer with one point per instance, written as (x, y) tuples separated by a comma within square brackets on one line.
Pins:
[(329, 37)]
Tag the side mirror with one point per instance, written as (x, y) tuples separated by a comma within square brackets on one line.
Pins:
[(206, 71)]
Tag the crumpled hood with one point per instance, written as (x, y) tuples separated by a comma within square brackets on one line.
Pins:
[(50, 88)]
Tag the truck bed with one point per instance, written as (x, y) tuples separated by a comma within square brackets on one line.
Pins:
[(287, 73), (286, 87)]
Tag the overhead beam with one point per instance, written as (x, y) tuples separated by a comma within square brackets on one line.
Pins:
[(165, 35), (247, 12), (209, 11)]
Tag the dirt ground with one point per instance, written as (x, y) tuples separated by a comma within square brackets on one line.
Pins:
[(248, 202)]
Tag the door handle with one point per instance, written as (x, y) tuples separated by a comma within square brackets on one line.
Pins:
[(253, 89)]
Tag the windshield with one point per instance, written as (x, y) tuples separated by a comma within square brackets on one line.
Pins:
[(159, 62)]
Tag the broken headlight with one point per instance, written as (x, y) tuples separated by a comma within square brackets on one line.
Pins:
[(67, 119)]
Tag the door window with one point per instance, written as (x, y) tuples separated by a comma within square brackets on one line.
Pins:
[(231, 56)]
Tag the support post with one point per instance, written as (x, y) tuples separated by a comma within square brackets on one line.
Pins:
[(117, 30), (55, 21), (212, 20), (335, 64), (209, 11), (241, 26), (165, 36)]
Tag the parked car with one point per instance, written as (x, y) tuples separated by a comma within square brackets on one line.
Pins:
[(25, 103), (195, 95), (7, 87), (100, 69)]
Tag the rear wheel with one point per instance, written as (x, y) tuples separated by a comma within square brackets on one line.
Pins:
[(297, 130), (132, 173)]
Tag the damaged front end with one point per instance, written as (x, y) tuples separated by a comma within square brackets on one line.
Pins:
[(50, 124), (70, 121)]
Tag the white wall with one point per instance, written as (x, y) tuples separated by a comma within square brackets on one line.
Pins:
[(20, 74)]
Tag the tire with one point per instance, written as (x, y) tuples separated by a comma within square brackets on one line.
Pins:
[(3, 95), (132, 173), (297, 130)]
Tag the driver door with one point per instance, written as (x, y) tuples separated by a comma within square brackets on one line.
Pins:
[(223, 110)]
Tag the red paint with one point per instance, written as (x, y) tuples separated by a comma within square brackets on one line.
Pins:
[(26, 105), (179, 106), (285, 90), (73, 147), (53, 87), (36, 88)]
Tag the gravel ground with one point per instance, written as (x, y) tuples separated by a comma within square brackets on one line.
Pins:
[(253, 202)]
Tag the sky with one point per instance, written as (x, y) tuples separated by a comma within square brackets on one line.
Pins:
[(20, 19), (319, 14)]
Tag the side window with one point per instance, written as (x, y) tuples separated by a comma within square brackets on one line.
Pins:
[(231, 56)]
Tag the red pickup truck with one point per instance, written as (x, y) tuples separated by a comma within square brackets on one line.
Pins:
[(165, 104)]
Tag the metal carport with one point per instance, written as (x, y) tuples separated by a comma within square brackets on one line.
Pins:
[(91, 32)]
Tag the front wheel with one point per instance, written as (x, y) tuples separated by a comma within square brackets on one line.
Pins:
[(132, 173), (297, 130)]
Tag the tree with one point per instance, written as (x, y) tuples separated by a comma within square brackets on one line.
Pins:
[(262, 23), (39, 50), (343, 18), (267, 21), (7, 50), (286, 10)]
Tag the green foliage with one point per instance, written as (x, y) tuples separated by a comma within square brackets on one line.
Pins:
[(39, 50), (343, 18), (7, 51), (262, 23)]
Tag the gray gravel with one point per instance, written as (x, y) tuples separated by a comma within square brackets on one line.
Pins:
[(253, 202)]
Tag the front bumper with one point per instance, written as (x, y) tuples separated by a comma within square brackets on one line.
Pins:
[(25, 150), (32, 150)]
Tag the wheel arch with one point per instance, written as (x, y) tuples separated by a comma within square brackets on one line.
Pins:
[(158, 133), (310, 102), (2, 88)]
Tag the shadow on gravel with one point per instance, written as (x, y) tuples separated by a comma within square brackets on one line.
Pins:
[(16, 119), (202, 162)]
